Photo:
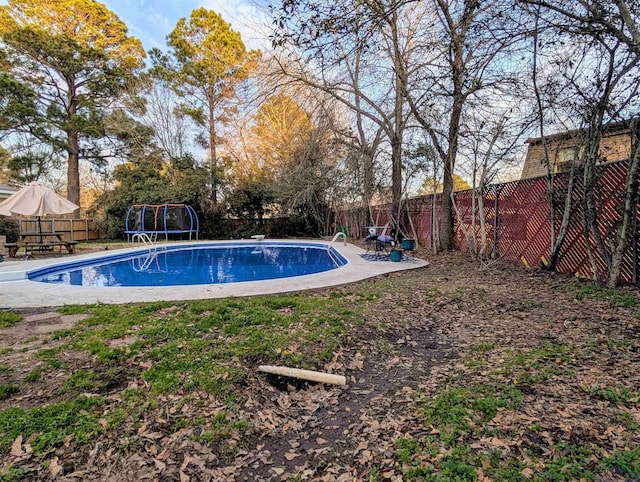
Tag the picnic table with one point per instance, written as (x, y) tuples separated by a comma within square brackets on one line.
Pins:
[(40, 241)]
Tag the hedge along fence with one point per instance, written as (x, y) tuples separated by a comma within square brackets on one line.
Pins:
[(517, 222)]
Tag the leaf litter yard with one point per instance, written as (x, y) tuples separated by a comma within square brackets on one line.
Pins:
[(454, 373)]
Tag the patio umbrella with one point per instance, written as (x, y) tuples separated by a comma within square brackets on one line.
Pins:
[(36, 200)]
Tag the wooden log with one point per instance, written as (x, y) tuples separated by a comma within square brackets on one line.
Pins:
[(304, 374)]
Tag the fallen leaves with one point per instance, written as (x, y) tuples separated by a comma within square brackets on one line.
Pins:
[(423, 333), (289, 456), (16, 447), (55, 468)]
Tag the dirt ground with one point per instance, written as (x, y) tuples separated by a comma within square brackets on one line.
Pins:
[(417, 338)]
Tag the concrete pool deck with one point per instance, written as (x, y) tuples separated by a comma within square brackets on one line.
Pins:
[(16, 291)]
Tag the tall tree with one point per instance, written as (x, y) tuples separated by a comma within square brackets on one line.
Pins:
[(77, 57), (163, 113), (389, 59), (602, 80), (18, 110), (282, 128), (206, 62), (268, 144), (289, 159), (355, 52), (458, 54)]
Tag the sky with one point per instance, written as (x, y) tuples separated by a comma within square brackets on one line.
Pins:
[(152, 20)]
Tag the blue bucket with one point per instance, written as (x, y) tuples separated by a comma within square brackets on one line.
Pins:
[(408, 244), (395, 255)]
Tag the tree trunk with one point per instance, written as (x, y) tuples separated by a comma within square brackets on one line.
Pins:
[(213, 156), (482, 215), (446, 232), (396, 176), (554, 244), (73, 149), (629, 209), (557, 243), (367, 177), (73, 171), (398, 114), (595, 133), (447, 229), (589, 214), (367, 156)]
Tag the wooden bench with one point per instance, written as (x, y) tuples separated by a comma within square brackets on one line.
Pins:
[(33, 246), (13, 248)]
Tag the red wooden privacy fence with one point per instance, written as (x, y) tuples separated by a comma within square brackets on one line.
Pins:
[(517, 221)]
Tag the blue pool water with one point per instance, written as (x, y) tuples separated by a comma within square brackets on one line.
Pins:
[(195, 265)]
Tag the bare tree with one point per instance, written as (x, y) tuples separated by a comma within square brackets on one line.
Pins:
[(604, 85), (359, 64), (542, 113), (460, 47), (169, 123), (491, 139)]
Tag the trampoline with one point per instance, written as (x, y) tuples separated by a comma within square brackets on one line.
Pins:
[(162, 219)]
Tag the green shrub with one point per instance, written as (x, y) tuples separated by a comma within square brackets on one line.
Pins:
[(10, 229)]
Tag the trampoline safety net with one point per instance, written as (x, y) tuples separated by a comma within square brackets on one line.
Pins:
[(161, 219)]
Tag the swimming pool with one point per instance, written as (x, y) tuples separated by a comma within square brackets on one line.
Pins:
[(18, 290), (196, 265)]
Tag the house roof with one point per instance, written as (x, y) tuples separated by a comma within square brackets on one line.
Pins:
[(7, 190), (610, 128)]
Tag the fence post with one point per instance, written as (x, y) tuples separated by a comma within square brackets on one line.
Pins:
[(495, 221)]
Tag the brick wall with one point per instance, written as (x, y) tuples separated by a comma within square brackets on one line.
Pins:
[(614, 146)]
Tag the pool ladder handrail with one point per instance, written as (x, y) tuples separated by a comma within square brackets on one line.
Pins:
[(330, 245), (152, 254), (144, 238), (335, 238), (144, 261)]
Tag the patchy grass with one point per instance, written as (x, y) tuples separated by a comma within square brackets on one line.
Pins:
[(624, 463), (619, 394), (146, 353), (7, 390), (200, 346), (51, 356), (539, 363), (9, 318), (483, 347), (453, 374), (34, 375), (47, 427), (81, 381), (483, 422), (456, 417), (616, 297), (456, 411)]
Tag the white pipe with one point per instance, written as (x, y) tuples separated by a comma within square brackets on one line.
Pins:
[(304, 374)]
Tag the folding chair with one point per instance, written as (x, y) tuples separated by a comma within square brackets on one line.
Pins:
[(379, 240)]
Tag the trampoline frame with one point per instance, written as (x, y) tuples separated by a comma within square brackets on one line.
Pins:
[(194, 227)]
